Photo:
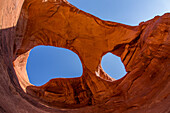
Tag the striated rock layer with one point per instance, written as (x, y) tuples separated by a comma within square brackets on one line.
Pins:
[(144, 50)]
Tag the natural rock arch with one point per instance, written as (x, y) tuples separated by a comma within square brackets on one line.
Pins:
[(144, 50)]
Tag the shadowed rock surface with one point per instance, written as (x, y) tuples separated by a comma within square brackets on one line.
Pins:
[(144, 50)]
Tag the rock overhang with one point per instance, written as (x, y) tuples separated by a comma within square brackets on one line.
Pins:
[(143, 50)]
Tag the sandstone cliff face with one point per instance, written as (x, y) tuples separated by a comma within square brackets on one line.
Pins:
[(143, 49)]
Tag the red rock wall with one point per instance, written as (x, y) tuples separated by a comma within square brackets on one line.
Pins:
[(143, 49)]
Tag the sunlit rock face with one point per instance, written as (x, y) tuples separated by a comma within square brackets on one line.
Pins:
[(143, 49)]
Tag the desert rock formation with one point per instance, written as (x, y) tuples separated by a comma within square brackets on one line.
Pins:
[(144, 50)]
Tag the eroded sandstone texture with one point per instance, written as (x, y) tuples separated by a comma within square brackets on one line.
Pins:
[(144, 50)]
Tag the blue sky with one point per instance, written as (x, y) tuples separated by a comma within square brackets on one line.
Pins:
[(45, 63), (129, 12)]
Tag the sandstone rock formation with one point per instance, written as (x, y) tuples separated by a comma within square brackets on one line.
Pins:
[(143, 49)]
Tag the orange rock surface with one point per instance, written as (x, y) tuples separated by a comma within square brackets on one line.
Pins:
[(144, 50)]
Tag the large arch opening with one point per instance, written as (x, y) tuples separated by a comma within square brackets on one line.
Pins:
[(113, 66), (47, 62)]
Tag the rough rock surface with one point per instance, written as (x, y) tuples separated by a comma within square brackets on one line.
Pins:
[(143, 49)]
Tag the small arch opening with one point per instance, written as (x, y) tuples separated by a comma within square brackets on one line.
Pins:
[(113, 66), (47, 62)]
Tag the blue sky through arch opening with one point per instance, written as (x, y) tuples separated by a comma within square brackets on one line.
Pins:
[(113, 66), (47, 62)]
